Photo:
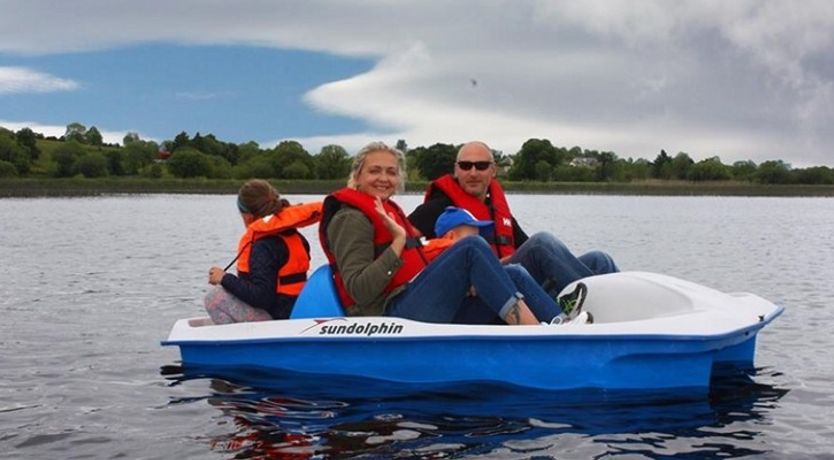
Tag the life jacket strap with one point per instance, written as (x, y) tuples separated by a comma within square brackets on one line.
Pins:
[(293, 278), (500, 239), (412, 242)]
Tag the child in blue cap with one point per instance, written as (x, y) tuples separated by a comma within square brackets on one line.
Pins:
[(455, 223)]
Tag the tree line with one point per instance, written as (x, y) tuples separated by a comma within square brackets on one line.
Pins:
[(82, 152)]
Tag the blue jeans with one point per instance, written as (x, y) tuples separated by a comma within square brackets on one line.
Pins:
[(438, 293), (552, 264), (542, 305)]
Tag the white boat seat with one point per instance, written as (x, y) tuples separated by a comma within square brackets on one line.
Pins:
[(632, 296)]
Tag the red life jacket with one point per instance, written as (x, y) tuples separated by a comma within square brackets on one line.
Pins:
[(293, 274), (503, 241), (413, 257)]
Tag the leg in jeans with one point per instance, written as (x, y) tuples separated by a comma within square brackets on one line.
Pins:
[(599, 262), (474, 311), (437, 294), (541, 304), (549, 261)]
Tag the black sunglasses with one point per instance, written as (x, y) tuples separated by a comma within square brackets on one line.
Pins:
[(479, 165)]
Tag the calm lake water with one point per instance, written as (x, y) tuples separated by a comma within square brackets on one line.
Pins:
[(91, 285)]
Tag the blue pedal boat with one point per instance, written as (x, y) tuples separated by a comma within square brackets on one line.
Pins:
[(650, 332)]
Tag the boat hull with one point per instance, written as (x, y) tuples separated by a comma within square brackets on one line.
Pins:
[(672, 351)]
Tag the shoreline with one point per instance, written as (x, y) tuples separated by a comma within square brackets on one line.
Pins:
[(27, 187)]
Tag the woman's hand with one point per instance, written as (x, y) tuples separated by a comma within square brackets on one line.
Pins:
[(216, 275), (396, 229)]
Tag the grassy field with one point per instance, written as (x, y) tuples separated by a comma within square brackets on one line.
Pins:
[(39, 187)]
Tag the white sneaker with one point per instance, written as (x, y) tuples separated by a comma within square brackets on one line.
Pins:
[(572, 302), (582, 318)]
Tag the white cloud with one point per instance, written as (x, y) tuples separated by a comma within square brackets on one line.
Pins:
[(23, 80), (742, 79)]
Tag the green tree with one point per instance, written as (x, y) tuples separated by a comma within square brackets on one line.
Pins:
[(136, 155), (573, 152), (567, 173), (773, 172), (543, 171), (502, 162), (7, 169), (115, 162), (680, 165), (413, 173), (75, 132), (661, 167), (709, 169), (11, 151), (180, 141), (532, 152), (815, 175), (402, 146), (743, 170), (27, 138), (297, 170), (258, 167), (209, 145), (220, 168), (287, 153), (65, 158), (248, 151), (130, 137), (154, 171), (92, 164), (634, 170), (188, 162), (332, 162), (93, 136), (607, 168), (436, 160)]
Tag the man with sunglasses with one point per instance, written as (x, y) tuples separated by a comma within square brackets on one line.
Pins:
[(473, 186)]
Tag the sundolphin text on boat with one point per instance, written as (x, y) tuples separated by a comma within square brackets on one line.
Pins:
[(650, 331)]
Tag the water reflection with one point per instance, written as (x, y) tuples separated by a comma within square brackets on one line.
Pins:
[(284, 415)]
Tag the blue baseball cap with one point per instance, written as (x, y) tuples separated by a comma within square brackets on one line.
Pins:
[(453, 217)]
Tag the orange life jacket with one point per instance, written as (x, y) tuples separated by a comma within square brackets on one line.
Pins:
[(293, 274), (503, 240), (413, 256)]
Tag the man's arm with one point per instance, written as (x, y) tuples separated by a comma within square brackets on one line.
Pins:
[(425, 215)]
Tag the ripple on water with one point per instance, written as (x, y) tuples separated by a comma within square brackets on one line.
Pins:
[(450, 421)]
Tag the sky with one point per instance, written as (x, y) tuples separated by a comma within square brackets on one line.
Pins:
[(741, 80)]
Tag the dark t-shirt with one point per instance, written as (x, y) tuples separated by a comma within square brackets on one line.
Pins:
[(425, 216)]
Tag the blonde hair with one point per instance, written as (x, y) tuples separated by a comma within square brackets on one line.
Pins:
[(259, 198), (359, 162)]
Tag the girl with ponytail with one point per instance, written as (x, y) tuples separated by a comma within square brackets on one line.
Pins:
[(272, 259)]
